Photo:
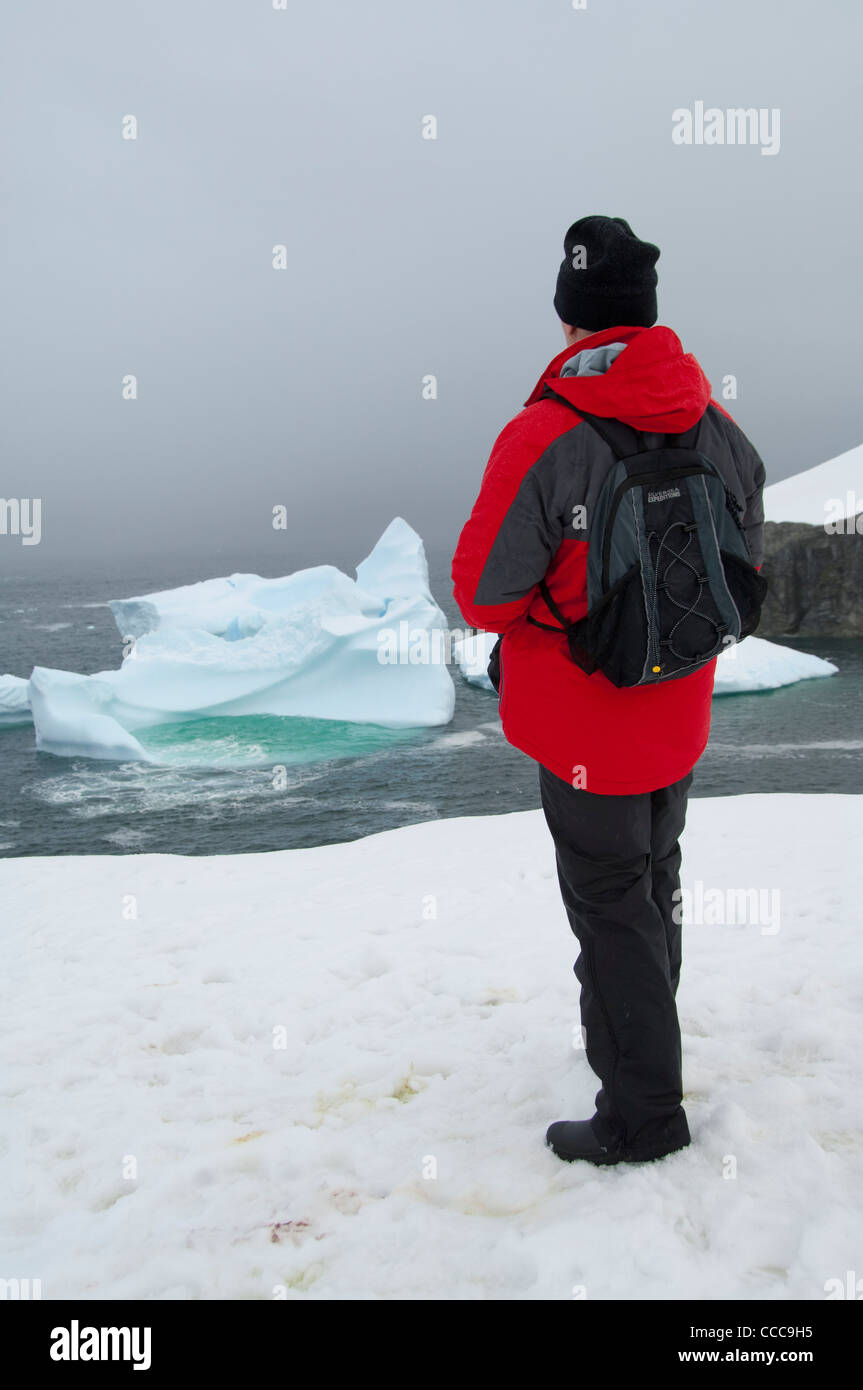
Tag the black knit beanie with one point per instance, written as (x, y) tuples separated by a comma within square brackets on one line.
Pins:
[(612, 280)]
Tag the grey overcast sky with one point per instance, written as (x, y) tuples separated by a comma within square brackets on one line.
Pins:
[(301, 126)]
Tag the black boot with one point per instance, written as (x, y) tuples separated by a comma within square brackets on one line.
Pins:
[(572, 1139)]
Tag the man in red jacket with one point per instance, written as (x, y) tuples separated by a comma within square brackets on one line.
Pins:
[(615, 762)]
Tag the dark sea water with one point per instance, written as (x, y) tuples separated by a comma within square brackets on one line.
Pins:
[(215, 792)]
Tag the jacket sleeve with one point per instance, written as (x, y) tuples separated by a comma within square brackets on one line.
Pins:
[(511, 536), (752, 476), (752, 520)]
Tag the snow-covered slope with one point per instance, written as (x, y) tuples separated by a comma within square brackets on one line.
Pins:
[(327, 1073), (806, 496)]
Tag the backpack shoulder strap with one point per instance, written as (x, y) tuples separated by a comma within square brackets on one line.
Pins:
[(622, 439), (550, 603)]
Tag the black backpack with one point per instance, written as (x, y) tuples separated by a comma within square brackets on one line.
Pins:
[(670, 581)]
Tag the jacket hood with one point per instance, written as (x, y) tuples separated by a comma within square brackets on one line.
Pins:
[(652, 384)]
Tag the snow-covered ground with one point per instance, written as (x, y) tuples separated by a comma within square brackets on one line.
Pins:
[(328, 1072)]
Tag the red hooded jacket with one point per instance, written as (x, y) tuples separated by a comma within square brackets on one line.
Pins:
[(610, 740)]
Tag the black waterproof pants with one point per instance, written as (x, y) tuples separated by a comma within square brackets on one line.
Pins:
[(618, 863)]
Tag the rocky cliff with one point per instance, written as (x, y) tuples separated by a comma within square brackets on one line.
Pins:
[(816, 581)]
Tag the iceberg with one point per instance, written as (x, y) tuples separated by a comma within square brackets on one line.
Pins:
[(314, 644), (472, 657), (76, 715), (756, 664), (750, 665), (14, 704)]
